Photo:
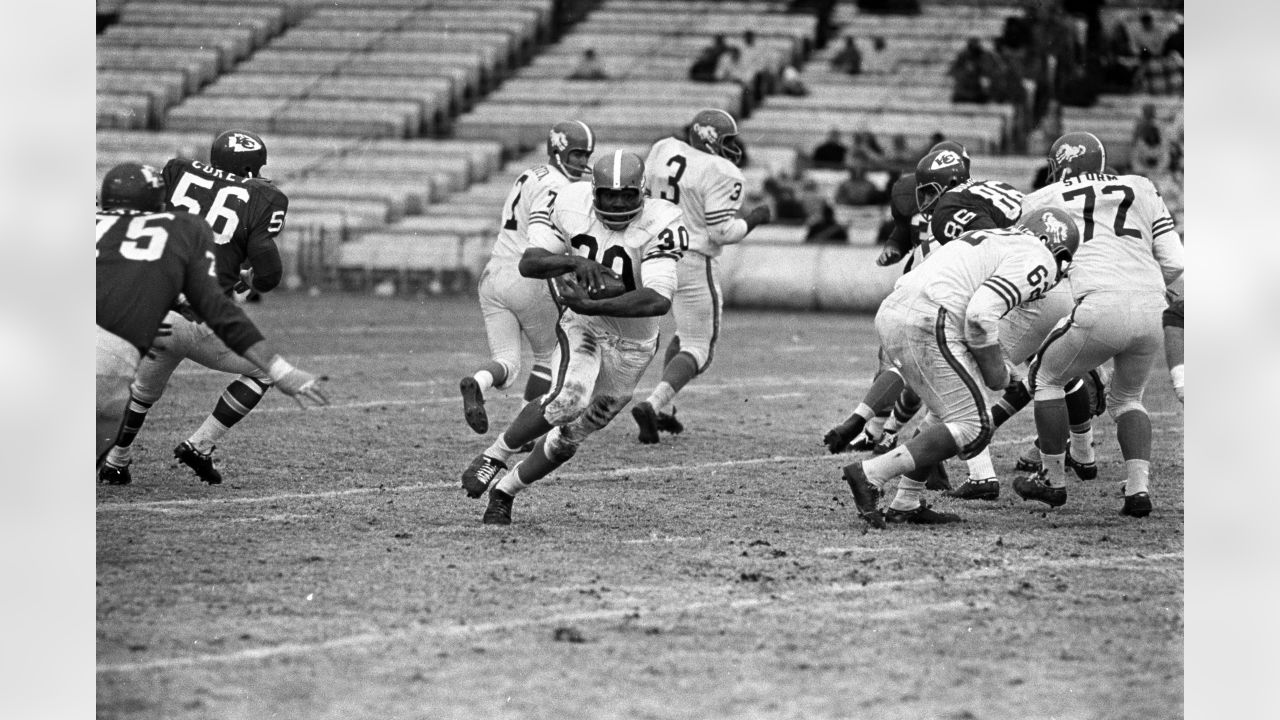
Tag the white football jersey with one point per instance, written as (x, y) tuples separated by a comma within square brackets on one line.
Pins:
[(978, 278), (1127, 238), (533, 192), (644, 254), (708, 188)]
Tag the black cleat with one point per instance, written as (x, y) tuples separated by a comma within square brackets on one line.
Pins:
[(988, 489), (938, 478), (888, 441), (922, 515), (1033, 487), (865, 495), (499, 510), (1136, 505), (838, 438), (669, 423), (480, 474), (202, 463), (647, 418), (112, 475), (1084, 471), (473, 405)]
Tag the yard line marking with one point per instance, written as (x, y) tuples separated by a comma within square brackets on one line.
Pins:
[(636, 607), (168, 505)]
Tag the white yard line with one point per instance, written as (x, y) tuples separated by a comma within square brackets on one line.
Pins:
[(637, 605)]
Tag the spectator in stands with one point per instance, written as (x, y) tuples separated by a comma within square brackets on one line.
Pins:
[(1149, 153), (589, 67), (1174, 43), (755, 65), (1119, 62), (878, 59), (849, 59), (831, 153), (729, 68), (791, 82), (827, 229), (857, 190), (866, 155), (901, 157), (1148, 39), (786, 204), (971, 72), (708, 61)]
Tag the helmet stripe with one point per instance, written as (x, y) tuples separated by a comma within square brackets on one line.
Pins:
[(617, 169), (591, 138)]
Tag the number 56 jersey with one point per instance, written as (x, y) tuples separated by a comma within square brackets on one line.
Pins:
[(246, 215), (644, 253)]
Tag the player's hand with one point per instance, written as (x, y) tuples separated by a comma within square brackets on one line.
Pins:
[(295, 383), (245, 283), (889, 255), (759, 215), (574, 296), (590, 275)]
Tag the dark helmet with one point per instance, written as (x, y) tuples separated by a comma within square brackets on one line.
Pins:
[(566, 137), (1076, 153), (954, 147), (716, 132), (1056, 230), (132, 186), (240, 152), (936, 173), (618, 188)]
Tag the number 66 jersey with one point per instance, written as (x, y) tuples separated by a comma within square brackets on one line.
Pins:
[(644, 254)]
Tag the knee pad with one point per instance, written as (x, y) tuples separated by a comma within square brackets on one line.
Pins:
[(560, 446), (1116, 409), (566, 405)]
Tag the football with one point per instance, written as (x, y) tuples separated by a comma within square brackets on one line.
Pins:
[(614, 285)]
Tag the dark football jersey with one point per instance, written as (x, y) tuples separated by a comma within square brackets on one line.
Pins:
[(145, 260), (246, 215), (975, 205), (909, 226)]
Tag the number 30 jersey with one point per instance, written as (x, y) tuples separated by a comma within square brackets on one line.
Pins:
[(708, 188), (644, 254), (975, 205), (978, 279), (1127, 238), (531, 195), (246, 215)]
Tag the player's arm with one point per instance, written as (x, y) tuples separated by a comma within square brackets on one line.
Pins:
[(266, 270), (725, 223), (549, 255), (1020, 277), (658, 264)]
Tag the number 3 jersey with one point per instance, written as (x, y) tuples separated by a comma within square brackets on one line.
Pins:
[(977, 279), (144, 261), (245, 213), (708, 188), (644, 254), (1127, 238)]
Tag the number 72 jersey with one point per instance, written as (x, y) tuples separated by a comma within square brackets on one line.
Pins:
[(246, 214)]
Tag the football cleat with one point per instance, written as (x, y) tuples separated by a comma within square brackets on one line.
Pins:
[(837, 438), (1034, 487), (922, 515), (473, 405), (888, 441), (938, 479), (1136, 505), (1084, 471), (865, 495), (499, 510), (864, 442), (112, 475), (647, 418), (202, 463), (480, 474), (669, 423), (988, 489)]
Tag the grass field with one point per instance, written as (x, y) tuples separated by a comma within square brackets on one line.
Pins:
[(341, 572)]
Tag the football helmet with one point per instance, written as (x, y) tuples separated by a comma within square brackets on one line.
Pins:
[(955, 147), (716, 132), (617, 181), (1076, 153), (1056, 230), (936, 173), (238, 151), (132, 186), (569, 147)]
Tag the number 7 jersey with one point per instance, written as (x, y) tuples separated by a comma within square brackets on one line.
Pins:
[(1127, 238)]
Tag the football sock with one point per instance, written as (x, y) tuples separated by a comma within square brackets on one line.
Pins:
[(1133, 430), (538, 384), (884, 390), (1051, 425), (493, 373), (980, 466), (135, 415), (909, 496), (864, 411), (661, 395), (1031, 454), (499, 450), (1081, 447), (510, 483), (675, 375), (1057, 469), (1137, 474), (1010, 403), (882, 467), (874, 428), (237, 400)]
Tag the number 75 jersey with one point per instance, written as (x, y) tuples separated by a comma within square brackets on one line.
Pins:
[(246, 214)]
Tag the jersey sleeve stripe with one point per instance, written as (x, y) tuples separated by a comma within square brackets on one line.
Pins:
[(1013, 289), (716, 213), (658, 254), (1002, 291)]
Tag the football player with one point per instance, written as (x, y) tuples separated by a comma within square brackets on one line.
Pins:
[(514, 305), (604, 344), (247, 213), (940, 329), (1129, 255), (702, 177), (145, 259), (1173, 352)]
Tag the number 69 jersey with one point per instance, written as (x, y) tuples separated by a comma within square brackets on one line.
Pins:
[(978, 279), (644, 254), (246, 215), (975, 205), (1127, 238)]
